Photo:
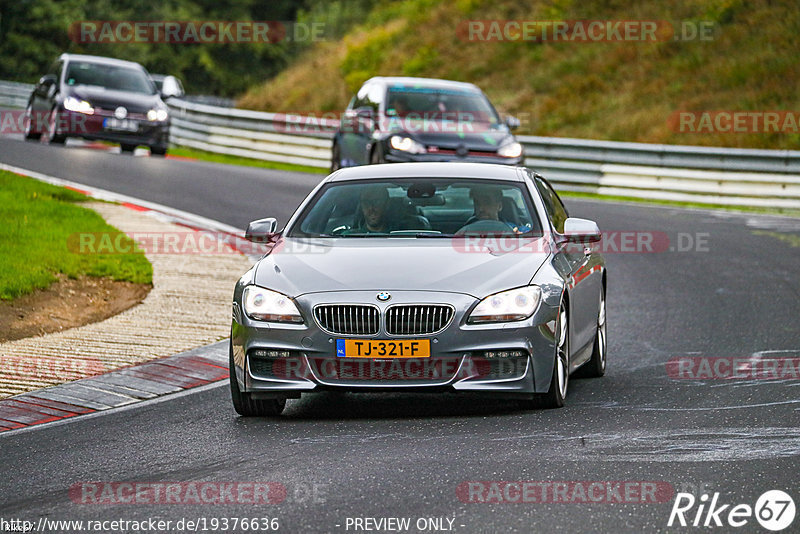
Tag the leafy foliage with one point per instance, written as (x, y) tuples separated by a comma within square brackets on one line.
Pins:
[(34, 32)]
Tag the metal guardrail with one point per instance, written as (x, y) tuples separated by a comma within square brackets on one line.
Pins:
[(14, 95), (728, 176), (253, 134)]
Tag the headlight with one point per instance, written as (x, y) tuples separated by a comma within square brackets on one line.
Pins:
[(511, 150), (265, 305), (406, 144), (80, 106), (512, 305), (157, 115)]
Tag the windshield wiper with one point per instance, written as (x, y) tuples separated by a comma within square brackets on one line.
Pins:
[(434, 235)]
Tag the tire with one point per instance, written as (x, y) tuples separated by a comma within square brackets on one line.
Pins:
[(29, 133), (158, 151), (128, 148), (50, 135), (376, 157), (248, 407), (559, 383), (596, 366), (336, 158)]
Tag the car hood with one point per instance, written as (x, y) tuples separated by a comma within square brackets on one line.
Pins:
[(299, 266), (449, 135), (112, 98)]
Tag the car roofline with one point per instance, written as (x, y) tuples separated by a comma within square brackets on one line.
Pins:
[(484, 171), (101, 60), (426, 82)]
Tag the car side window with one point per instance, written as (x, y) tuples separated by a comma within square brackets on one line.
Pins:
[(556, 211)]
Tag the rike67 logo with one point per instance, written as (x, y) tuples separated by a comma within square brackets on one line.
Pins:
[(774, 510)]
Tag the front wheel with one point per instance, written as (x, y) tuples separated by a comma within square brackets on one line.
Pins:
[(30, 132), (558, 384), (51, 134), (596, 366), (158, 151), (376, 158), (559, 380), (336, 158), (247, 406), (128, 148)]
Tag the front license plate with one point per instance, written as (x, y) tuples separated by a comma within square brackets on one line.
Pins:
[(381, 348), (126, 125)]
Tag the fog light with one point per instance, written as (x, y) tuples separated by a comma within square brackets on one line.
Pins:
[(260, 353)]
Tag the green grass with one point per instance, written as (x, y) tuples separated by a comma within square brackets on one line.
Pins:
[(36, 222), (238, 160), (790, 239)]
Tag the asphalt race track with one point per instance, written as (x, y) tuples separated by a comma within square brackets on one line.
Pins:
[(734, 294)]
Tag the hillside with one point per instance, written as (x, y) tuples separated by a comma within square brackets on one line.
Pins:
[(626, 90)]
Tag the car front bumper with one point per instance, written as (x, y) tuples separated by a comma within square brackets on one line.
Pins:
[(458, 359), (92, 127)]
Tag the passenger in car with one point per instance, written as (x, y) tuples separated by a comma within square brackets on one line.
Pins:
[(373, 201), (489, 204)]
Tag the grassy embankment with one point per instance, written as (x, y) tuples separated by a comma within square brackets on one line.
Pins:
[(36, 221), (621, 91)]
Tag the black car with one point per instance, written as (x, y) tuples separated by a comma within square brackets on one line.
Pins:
[(98, 98), (395, 119)]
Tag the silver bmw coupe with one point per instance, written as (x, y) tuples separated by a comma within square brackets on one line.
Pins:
[(421, 277)]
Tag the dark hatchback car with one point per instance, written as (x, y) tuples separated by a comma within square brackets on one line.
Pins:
[(396, 119), (98, 98)]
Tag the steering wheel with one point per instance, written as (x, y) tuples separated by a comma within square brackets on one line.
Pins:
[(485, 227)]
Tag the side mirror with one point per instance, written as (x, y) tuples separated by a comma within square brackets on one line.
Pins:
[(512, 122), (171, 87), (581, 231), (47, 80), (262, 230)]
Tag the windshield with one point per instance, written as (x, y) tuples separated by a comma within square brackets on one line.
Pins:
[(439, 104), (109, 77), (418, 207)]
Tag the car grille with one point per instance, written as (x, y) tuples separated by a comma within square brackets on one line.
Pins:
[(417, 319), (292, 368), (348, 319), (499, 369), (262, 366), (405, 371)]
